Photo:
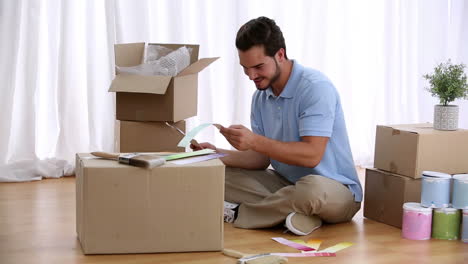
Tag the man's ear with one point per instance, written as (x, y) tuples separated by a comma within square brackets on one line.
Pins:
[(280, 55)]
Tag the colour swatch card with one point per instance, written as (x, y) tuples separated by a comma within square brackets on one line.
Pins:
[(289, 243), (337, 247), (198, 158), (189, 154), (192, 133), (312, 243), (310, 248)]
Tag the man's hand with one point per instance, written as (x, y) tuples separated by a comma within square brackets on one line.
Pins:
[(239, 137), (203, 145)]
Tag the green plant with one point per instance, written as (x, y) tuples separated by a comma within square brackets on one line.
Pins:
[(448, 82)]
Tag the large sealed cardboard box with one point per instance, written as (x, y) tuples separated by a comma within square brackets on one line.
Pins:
[(133, 136), (125, 209), (156, 98), (410, 149), (385, 193)]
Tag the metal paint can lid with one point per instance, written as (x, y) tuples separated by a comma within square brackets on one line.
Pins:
[(446, 210), (416, 207), (461, 177), (436, 174)]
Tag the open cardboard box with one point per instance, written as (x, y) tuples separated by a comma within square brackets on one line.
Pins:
[(156, 98)]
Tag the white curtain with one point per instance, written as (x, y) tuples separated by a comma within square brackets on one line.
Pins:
[(57, 63)]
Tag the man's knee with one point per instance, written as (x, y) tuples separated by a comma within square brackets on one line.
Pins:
[(311, 188), (318, 195), (309, 195)]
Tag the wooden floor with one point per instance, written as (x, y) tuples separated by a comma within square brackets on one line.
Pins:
[(37, 225)]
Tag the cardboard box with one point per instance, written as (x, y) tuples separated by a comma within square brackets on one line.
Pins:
[(147, 136), (125, 209), (385, 193), (410, 149), (156, 98)]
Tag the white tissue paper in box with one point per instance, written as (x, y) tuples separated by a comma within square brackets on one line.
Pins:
[(169, 64), (155, 52)]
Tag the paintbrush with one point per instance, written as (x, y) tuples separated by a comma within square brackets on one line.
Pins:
[(134, 159), (266, 258), (149, 160)]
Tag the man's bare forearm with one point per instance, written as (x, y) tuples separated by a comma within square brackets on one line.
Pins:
[(306, 153)]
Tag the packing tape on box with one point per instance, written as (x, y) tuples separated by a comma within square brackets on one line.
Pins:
[(192, 133)]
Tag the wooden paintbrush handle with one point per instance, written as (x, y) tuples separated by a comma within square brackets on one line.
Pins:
[(233, 253), (105, 155)]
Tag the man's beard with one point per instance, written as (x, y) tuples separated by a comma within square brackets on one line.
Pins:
[(275, 77)]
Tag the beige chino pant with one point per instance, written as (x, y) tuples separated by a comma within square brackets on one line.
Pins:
[(267, 198)]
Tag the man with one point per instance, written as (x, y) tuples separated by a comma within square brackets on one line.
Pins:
[(298, 127)]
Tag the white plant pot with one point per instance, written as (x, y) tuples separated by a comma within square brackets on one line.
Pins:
[(446, 117)]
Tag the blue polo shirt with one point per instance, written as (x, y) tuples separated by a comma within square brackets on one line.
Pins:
[(309, 105)]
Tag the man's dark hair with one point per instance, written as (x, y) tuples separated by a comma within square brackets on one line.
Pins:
[(261, 31)]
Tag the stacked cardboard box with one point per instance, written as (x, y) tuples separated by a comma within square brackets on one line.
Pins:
[(153, 100), (132, 136), (402, 153), (172, 208)]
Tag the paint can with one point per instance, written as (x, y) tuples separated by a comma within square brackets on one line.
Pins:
[(464, 235), (446, 223), (435, 189), (416, 222), (460, 191)]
